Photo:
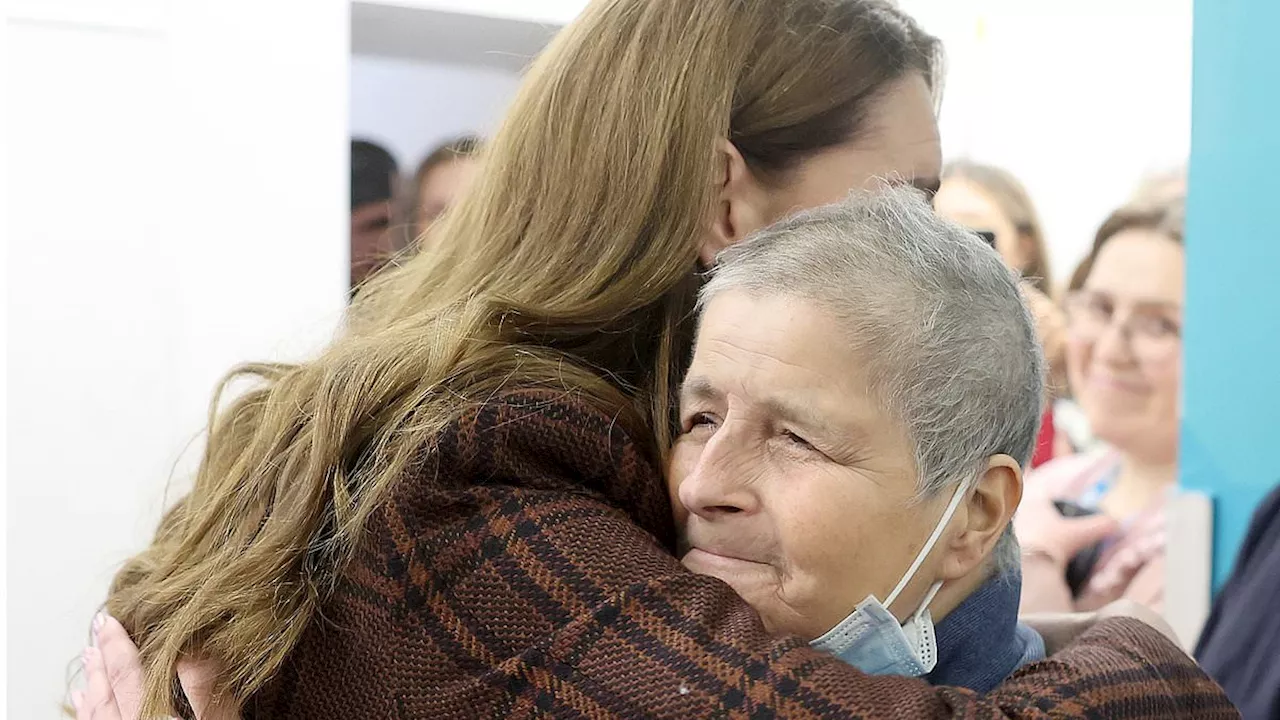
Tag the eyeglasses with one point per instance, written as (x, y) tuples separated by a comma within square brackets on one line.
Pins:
[(1153, 329)]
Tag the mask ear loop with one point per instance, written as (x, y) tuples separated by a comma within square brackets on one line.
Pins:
[(924, 553)]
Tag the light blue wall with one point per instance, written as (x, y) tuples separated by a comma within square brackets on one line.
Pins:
[(1231, 421)]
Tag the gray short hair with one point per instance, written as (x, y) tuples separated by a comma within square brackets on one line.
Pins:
[(939, 320)]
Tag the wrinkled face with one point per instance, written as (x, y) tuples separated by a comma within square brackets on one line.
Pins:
[(966, 203), (1124, 349), (789, 482)]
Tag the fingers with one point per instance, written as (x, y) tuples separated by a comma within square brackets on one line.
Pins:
[(1042, 529), (82, 705), (113, 671), (97, 702), (113, 675), (123, 665), (1080, 533)]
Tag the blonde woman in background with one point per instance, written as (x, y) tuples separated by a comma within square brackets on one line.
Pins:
[(457, 509), (1163, 193), (1124, 358)]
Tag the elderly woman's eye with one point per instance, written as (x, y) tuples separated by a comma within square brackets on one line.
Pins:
[(796, 439), (699, 420)]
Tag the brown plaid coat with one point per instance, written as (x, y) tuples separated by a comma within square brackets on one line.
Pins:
[(527, 571)]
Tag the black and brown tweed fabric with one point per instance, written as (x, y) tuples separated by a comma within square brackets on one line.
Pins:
[(527, 572)]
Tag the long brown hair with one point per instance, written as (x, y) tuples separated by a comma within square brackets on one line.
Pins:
[(1011, 196), (569, 264)]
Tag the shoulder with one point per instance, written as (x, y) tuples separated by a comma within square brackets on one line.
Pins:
[(543, 440), (1129, 664), (1265, 517), (1264, 529)]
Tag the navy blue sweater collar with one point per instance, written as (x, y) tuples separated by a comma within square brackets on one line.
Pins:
[(981, 642)]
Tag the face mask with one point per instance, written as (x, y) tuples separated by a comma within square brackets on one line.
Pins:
[(871, 638)]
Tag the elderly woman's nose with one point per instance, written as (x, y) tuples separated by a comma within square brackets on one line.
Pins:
[(719, 483)]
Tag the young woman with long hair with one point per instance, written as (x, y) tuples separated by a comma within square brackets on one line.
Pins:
[(457, 508)]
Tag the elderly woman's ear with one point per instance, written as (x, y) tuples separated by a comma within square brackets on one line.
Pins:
[(982, 518)]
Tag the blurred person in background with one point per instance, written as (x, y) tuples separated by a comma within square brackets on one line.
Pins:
[(1240, 642), (992, 202), (1161, 188), (375, 179), (457, 508), (1161, 192), (440, 178), (1124, 343)]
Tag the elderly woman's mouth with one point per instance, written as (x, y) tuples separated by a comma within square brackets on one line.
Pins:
[(709, 561)]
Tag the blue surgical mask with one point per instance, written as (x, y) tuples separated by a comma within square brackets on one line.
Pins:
[(871, 638)]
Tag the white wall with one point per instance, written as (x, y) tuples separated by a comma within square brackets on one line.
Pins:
[(409, 107), (550, 12), (178, 204), (1080, 99)]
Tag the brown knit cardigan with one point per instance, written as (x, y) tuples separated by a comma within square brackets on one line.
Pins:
[(526, 570)]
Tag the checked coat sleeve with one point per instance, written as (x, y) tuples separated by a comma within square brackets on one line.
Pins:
[(524, 569)]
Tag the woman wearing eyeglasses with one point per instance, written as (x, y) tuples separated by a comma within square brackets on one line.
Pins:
[(1092, 524)]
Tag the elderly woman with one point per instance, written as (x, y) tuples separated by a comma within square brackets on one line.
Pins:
[(456, 508), (864, 393)]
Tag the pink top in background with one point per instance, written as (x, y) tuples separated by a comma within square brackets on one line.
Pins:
[(1132, 564)]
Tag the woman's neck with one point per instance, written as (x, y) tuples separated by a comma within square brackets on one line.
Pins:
[(1138, 483)]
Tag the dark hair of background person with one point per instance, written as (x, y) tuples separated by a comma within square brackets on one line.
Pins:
[(373, 172), (1011, 196), (1165, 218), (570, 263), (375, 180)]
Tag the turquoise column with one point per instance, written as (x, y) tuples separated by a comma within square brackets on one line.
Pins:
[(1231, 406)]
